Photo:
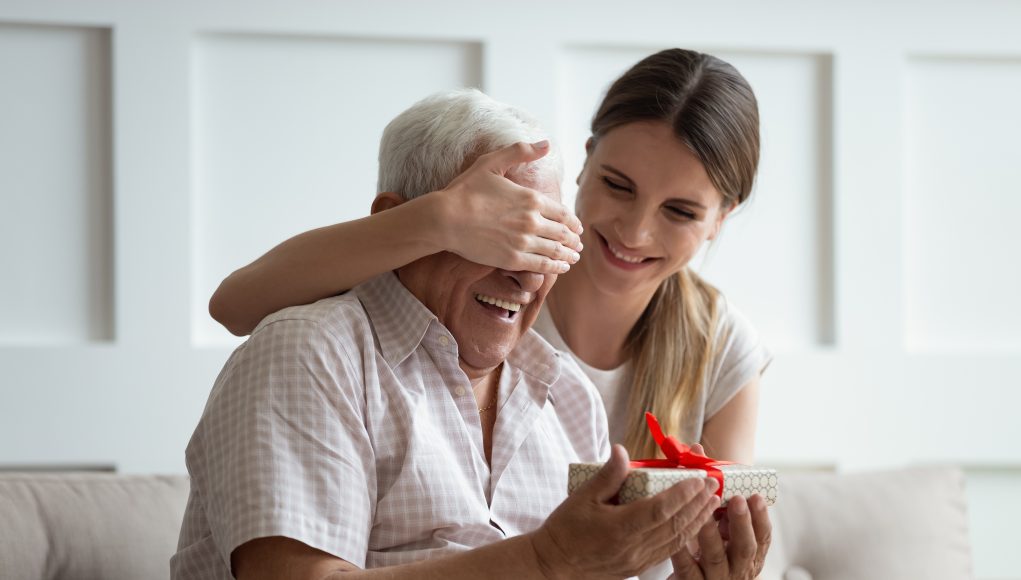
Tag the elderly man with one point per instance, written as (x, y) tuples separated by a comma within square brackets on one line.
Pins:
[(415, 423)]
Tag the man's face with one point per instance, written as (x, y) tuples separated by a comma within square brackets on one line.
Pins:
[(486, 309)]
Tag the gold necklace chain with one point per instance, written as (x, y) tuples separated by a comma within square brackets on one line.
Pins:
[(496, 396)]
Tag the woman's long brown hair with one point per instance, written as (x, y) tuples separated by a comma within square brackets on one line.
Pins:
[(713, 112)]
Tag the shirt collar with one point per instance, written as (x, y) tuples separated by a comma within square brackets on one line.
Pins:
[(399, 320), (535, 357)]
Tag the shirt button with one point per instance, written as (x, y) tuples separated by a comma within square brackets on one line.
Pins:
[(444, 340), (459, 391)]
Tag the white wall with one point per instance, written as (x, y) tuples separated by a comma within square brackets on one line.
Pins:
[(148, 148)]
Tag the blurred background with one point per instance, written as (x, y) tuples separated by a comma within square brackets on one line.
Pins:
[(147, 149)]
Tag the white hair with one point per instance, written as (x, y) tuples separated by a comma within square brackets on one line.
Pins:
[(427, 146)]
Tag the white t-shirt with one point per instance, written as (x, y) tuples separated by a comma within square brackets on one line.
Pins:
[(741, 358)]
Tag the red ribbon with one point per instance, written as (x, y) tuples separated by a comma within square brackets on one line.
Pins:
[(679, 455)]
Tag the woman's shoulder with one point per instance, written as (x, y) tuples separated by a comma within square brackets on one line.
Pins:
[(739, 351), (732, 325), (739, 354)]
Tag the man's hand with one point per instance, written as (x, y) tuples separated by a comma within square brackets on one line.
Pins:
[(733, 548), (590, 537)]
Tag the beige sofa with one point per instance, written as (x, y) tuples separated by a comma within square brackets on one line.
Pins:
[(905, 524)]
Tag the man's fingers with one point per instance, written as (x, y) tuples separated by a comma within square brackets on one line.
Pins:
[(671, 537), (683, 499), (606, 483), (503, 160)]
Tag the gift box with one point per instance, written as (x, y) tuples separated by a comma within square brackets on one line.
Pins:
[(651, 476)]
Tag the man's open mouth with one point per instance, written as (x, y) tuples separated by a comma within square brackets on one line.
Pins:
[(504, 308)]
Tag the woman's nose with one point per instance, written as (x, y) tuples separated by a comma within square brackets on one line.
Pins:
[(527, 281), (634, 228)]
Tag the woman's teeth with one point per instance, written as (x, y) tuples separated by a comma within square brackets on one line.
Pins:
[(622, 257), (511, 306)]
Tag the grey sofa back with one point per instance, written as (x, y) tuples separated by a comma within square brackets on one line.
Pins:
[(900, 524), (89, 526)]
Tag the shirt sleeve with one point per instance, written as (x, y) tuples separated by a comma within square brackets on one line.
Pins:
[(282, 448), (740, 357)]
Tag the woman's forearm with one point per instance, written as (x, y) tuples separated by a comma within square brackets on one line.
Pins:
[(481, 215), (327, 261)]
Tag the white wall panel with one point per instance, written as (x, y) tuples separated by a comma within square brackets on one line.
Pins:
[(963, 199), (286, 135), (55, 185), (878, 257), (774, 259)]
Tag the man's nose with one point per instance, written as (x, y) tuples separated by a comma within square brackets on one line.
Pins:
[(527, 281)]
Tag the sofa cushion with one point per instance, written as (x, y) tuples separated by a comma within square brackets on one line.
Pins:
[(81, 526), (902, 524)]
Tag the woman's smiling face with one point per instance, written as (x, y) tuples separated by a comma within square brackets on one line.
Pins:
[(647, 205)]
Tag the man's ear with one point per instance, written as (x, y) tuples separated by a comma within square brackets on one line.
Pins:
[(385, 201)]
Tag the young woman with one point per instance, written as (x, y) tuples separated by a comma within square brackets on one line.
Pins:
[(674, 149)]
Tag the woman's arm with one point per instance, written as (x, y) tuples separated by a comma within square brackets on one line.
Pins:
[(481, 215), (730, 433)]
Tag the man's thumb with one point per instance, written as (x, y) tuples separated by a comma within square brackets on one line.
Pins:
[(606, 483)]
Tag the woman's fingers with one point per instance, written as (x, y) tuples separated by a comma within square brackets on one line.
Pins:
[(510, 157), (558, 212), (763, 529), (742, 546), (743, 556), (556, 228), (685, 566), (553, 249), (712, 553)]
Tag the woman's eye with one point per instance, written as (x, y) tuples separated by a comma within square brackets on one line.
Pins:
[(616, 186), (681, 213)]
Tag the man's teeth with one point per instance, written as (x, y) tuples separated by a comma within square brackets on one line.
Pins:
[(628, 259), (512, 306)]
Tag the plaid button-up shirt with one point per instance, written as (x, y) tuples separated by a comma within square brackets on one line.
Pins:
[(348, 425)]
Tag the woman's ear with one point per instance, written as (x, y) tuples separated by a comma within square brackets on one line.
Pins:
[(589, 145), (724, 212), (385, 201)]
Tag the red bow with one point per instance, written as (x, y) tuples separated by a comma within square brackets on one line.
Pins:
[(680, 455)]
